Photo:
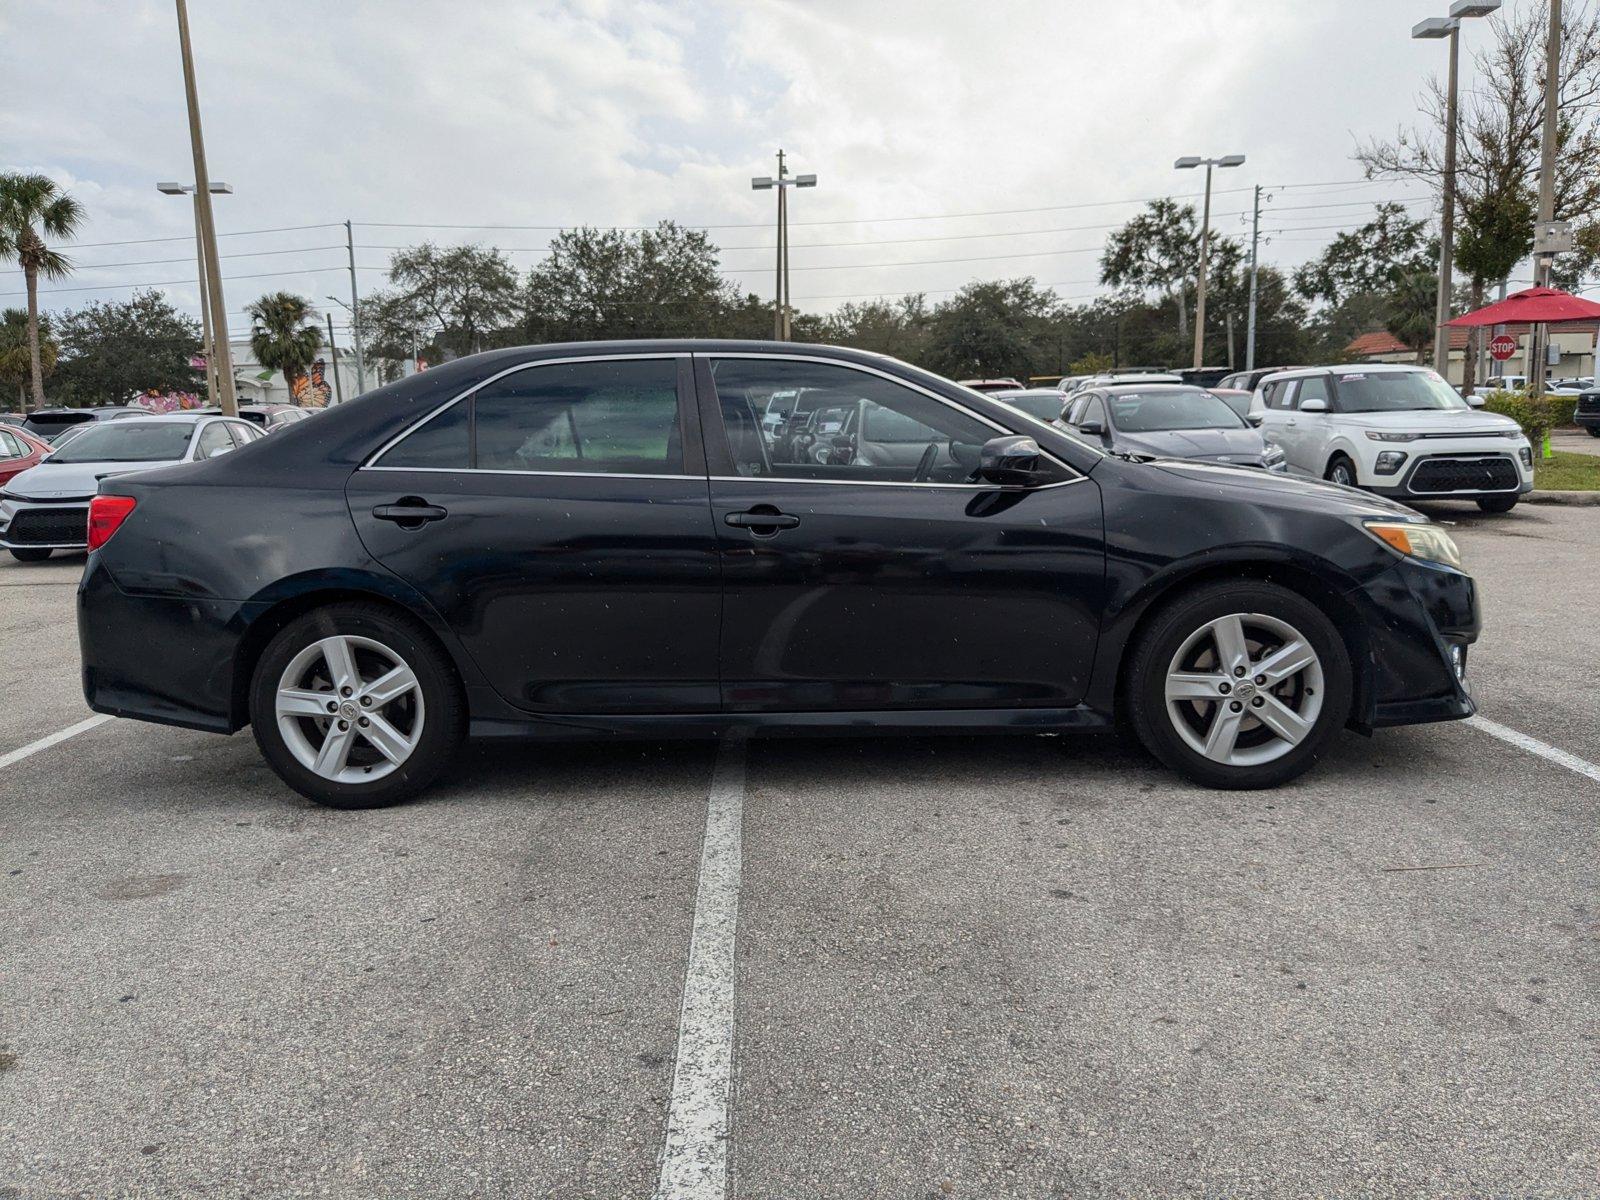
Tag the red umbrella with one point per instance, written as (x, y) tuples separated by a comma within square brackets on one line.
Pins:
[(1532, 306)]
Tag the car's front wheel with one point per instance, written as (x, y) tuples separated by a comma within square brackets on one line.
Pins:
[(31, 555), (1341, 471), (356, 707), (1497, 504), (1239, 685)]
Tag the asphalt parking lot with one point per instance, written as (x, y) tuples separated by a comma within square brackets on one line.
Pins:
[(962, 967)]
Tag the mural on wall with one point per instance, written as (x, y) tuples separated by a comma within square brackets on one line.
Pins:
[(165, 402), (312, 390)]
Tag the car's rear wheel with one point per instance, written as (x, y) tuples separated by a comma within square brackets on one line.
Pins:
[(1497, 504), (34, 554), (1594, 430), (1239, 685), (1342, 471), (356, 707)]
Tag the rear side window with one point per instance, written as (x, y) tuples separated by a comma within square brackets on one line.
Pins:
[(617, 417)]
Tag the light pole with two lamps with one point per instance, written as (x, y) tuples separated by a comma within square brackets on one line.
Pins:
[(1189, 162), (783, 181)]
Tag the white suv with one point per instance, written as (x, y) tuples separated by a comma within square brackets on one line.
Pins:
[(1396, 430)]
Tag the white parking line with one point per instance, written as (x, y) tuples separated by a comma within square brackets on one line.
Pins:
[(54, 739), (1534, 746), (694, 1159)]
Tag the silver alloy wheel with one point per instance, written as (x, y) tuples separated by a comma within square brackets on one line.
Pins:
[(1244, 689), (349, 709), (1343, 474)]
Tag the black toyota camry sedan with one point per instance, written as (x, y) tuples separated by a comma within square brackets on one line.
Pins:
[(606, 540)]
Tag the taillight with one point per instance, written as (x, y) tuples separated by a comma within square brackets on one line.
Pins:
[(106, 515)]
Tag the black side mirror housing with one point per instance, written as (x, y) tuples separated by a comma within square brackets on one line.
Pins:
[(1093, 428), (1009, 461)]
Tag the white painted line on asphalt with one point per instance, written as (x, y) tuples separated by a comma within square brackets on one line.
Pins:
[(694, 1160), (54, 739), (1534, 746)]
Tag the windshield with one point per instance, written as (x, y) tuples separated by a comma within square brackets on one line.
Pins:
[(1160, 412), (1396, 391), (1041, 407), (1238, 401), (127, 442)]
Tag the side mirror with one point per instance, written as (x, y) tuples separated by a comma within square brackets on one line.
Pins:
[(1093, 428), (1009, 460), (1475, 400), (1313, 405), (1254, 420)]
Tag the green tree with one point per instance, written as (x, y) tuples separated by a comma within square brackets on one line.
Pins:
[(1368, 259), (450, 301), (994, 328), (1159, 251), (285, 336), (661, 282), (16, 352), (898, 327), (113, 350), (1494, 234), (33, 208), (1409, 311)]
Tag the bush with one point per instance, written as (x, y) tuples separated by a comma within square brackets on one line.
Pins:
[(1537, 417)]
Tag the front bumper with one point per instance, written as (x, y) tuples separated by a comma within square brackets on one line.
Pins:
[(1427, 617), (1456, 475), (44, 525)]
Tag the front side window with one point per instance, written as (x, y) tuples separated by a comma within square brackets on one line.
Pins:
[(213, 437), (606, 417), (862, 427), (9, 446), (1313, 387)]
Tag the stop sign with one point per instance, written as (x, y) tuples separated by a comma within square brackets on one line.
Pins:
[(1502, 347)]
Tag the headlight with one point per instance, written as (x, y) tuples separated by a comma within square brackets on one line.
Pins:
[(1389, 462), (1376, 436), (1416, 540)]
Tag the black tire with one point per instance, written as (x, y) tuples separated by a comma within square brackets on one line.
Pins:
[(1166, 633), (439, 685), (1498, 504), (1594, 430), (31, 555), (1341, 464)]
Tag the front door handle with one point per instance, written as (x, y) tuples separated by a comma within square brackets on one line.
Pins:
[(761, 523), (410, 511)]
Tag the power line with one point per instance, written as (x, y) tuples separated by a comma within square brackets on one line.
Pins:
[(189, 237)]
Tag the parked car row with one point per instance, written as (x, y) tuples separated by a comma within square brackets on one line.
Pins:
[(44, 507)]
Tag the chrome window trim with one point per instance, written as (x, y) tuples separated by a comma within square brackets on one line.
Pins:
[(517, 471), (370, 464), (906, 483)]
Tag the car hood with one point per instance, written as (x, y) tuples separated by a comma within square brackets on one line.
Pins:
[(1193, 443), (1436, 421), (1265, 487), (71, 481)]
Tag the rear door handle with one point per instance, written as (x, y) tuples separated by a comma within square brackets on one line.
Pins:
[(416, 512), (761, 522)]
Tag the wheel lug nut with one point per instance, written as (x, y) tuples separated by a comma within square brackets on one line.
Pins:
[(1257, 702), (1260, 679), (344, 691), (366, 702), (333, 706), (343, 725), (1238, 670), (1233, 706), (1224, 687), (363, 722)]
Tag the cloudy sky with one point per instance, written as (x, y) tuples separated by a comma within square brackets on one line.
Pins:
[(954, 141)]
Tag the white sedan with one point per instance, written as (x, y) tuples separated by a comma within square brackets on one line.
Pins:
[(46, 508)]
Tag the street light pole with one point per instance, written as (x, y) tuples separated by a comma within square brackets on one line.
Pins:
[(208, 229), (781, 315), (1544, 268), (1188, 162), (355, 310), (208, 338), (1432, 29), (1255, 251), (333, 356)]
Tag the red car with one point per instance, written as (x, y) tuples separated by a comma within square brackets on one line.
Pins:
[(19, 450)]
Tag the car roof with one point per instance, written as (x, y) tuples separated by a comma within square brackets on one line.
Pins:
[(175, 418), (1033, 391), (1361, 368), (1160, 385)]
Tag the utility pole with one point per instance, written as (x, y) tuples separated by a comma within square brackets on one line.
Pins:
[(780, 287), (1255, 250), (1545, 265), (333, 355), (1447, 219), (208, 337), (1187, 162), (355, 309), (208, 231)]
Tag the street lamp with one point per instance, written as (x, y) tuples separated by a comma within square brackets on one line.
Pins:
[(783, 181), (1433, 29), (207, 337), (1186, 163)]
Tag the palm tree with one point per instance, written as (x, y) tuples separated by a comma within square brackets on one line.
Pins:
[(15, 359), (285, 336), (33, 208), (1409, 311)]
